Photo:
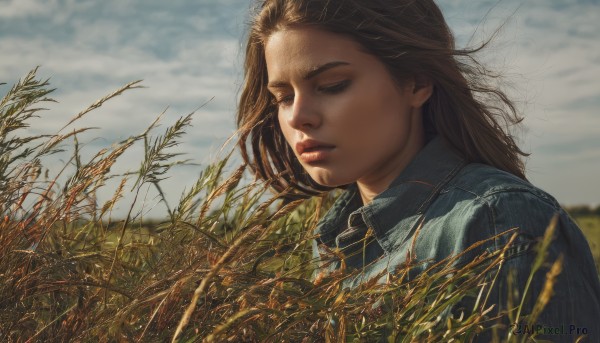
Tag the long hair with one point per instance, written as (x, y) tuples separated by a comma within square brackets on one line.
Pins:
[(410, 37)]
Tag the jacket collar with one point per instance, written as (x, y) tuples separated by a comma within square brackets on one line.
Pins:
[(401, 204)]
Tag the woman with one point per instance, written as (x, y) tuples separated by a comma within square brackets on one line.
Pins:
[(372, 97)]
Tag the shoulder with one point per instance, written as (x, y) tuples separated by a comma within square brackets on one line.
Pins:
[(499, 202), (492, 184), (485, 201), (503, 195)]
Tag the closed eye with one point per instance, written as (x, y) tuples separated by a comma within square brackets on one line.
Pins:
[(336, 88), (333, 89), (283, 101)]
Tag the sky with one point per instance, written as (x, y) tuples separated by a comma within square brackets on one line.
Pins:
[(189, 55)]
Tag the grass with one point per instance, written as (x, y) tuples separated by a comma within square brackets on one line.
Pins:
[(590, 226), (240, 271)]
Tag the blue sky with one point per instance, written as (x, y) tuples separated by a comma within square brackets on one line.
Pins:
[(189, 52)]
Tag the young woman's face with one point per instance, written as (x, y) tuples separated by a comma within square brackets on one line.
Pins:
[(330, 90)]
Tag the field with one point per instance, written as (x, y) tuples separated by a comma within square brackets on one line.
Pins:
[(239, 270), (590, 225)]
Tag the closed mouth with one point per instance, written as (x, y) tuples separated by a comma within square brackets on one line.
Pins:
[(317, 148)]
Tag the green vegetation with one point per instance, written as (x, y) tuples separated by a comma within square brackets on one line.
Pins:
[(590, 226), (240, 271), (584, 210)]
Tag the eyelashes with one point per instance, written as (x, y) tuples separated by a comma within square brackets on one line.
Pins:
[(332, 90), (283, 101), (336, 88)]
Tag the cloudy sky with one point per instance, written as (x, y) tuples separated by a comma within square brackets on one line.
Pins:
[(189, 54)]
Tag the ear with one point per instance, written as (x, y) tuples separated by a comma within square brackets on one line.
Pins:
[(421, 90)]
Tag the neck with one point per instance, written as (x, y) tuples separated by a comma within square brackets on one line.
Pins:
[(384, 174)]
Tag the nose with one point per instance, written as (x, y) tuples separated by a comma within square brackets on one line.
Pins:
[(303, 113)]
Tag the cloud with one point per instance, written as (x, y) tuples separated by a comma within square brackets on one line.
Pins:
[(190, 52), (13, 9), (185, 54)]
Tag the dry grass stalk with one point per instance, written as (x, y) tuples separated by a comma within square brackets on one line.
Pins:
[(69, 271)]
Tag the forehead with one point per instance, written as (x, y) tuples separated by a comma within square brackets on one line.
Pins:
[(300, 49)]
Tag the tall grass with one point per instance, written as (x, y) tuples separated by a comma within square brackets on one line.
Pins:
[(240, 271)]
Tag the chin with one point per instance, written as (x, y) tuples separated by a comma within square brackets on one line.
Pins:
[(328, 181)]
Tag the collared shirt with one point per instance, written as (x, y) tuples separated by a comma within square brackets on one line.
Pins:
[(440, 205)]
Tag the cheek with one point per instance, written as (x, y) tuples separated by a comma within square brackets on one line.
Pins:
[(371, 113), (360, 112), (281, 125), (285, 130)]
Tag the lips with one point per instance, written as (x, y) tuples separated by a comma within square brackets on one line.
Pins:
[(318, 154), (309, 145), (314, 148)]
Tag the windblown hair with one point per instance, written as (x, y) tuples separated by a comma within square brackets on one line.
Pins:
[(410, 37)]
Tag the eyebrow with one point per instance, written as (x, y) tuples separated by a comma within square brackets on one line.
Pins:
[(311, 73)]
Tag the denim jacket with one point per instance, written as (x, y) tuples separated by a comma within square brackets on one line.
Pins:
[(453, 204)]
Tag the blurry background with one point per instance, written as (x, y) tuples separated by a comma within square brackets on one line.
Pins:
[(189, 54)]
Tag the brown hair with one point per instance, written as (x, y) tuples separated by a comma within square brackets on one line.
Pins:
[(410, 37)]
